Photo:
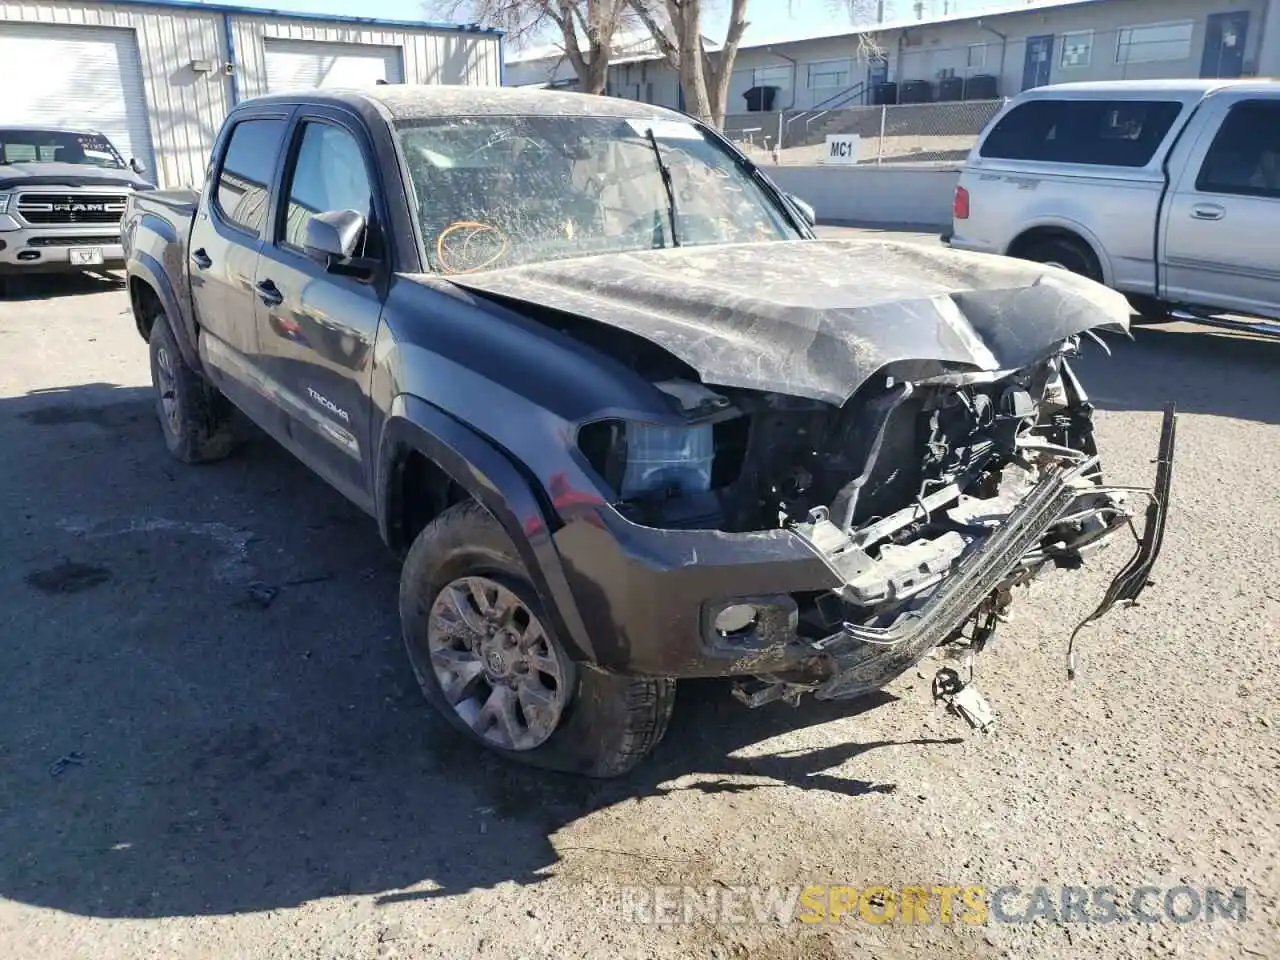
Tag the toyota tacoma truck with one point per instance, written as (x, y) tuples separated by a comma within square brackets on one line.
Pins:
[(625, 418), (62, 195)]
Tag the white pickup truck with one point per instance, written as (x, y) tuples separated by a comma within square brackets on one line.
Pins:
[(1168, 191)]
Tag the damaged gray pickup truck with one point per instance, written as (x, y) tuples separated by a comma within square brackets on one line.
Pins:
[(624, 417)]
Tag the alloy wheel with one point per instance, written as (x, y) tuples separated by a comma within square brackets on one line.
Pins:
[(496, 664), (167, 388)]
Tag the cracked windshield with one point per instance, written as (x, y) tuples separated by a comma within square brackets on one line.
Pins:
[(503, 191)]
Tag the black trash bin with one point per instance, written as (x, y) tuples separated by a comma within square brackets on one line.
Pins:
[(916, 91), (981, 86), (884, 93)]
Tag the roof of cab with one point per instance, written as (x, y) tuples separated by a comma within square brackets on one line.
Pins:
[(1090, 89), (423, 102)]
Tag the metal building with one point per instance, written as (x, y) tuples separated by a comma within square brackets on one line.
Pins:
[(159, 76)]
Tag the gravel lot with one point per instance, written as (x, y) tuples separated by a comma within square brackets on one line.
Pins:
[(187, 770)]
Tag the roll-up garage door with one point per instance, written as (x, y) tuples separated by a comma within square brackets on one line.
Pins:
[(301, 64), (86, 78)]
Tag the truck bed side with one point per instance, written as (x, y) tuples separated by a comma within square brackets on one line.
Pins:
[(157, 227)]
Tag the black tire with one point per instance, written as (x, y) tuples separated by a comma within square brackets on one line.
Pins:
[(1066, 252), (197, 427), (1149, 309), (609, 722)]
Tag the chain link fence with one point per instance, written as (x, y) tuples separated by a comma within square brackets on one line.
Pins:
[(942, 132)]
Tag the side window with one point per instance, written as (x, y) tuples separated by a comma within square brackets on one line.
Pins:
[(1119, 133), (1245, 155), (329, 173), (244, 181)]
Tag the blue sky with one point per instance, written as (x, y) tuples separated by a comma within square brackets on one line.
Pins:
[(769, 18)]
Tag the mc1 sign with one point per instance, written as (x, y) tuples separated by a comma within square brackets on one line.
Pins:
[(842, 148)]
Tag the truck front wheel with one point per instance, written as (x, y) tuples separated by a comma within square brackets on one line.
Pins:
[(194, 418), (488, 662)]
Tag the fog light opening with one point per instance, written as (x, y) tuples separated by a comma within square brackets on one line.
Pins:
[(736, 619)]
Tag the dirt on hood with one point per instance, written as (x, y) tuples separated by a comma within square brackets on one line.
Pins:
[(817, 318)]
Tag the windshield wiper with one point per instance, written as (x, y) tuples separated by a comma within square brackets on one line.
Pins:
[(665, 171)]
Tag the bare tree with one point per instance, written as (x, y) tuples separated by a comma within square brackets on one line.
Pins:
[(676, 27), (585, 28)]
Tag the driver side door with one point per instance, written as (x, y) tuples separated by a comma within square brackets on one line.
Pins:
[(316, 327)]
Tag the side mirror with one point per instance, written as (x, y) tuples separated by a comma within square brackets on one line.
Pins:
[(137, 166), (805, 209), (333, 234)]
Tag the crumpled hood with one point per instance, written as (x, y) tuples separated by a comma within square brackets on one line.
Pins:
[(66, 174), (817, 318)]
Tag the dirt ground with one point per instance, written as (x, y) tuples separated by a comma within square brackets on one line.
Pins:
[(211, 744)]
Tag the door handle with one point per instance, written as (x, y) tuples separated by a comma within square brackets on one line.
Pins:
[(270, 294), (201, 259), (1208, 211)]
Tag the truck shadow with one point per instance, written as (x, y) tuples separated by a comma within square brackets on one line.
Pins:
[(51, 286), (209, 710), (1202, 369)]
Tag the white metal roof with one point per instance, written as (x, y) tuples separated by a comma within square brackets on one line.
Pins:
[(1001, 8), (997, 9)]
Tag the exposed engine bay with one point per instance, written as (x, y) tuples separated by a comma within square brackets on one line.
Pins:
[(896, 489), (911, 415)]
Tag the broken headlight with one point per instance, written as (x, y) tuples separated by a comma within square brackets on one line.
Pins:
[(643, 459)]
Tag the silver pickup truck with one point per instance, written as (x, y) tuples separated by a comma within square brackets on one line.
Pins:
[(62, 193), (1168, 191)]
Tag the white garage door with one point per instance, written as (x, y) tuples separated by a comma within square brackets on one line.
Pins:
[(79, 77), (302, 64)]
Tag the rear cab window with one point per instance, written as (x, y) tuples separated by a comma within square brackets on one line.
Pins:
[(1244, 158), (243, 190), (1113, 133)]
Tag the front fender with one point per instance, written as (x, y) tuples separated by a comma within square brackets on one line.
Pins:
[(494, 480)]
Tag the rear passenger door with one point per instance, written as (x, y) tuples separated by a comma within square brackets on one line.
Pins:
[(316, 327), (222, 256), (1220, 222)]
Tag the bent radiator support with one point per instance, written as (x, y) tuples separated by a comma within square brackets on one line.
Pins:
[(866, 655)]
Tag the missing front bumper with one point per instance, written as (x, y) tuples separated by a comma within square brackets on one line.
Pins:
[(865, 658)]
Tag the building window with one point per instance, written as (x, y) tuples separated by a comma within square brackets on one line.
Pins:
[(1077, 48), (772, 77), (1154, 42), (977, 55), (828, 73)]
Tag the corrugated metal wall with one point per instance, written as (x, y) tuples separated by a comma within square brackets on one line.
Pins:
[(428, 56), (187, 108)]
